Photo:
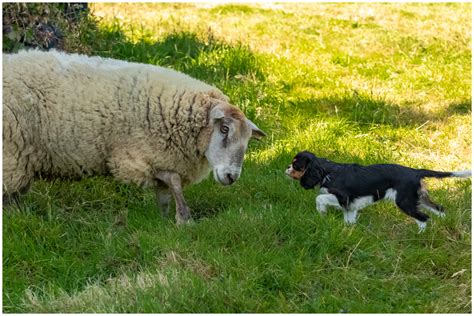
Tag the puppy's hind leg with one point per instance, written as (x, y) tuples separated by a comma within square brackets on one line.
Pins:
[(433, 207), (410, 207), (429, 205)]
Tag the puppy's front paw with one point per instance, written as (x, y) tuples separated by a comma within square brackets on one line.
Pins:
[(350, 217), (421, 226)]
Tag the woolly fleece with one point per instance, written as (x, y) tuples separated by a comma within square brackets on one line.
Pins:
[(68, 115)]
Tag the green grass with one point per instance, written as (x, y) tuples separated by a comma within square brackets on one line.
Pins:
[(366, 83)]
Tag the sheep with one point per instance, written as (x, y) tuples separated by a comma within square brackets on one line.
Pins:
[(70, 115)]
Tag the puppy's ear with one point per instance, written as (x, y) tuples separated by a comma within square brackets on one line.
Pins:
[(313, 175)]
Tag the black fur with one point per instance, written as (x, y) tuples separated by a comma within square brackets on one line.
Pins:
[(351, 181)]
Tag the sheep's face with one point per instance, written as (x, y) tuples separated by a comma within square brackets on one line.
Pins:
[(230, 136)]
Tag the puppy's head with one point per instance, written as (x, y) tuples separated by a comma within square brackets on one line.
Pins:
[(298, 166), (304, 167)]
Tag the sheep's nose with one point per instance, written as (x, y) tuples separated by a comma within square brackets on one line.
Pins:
[(231, 178)]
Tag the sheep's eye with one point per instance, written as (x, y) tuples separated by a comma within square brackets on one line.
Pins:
[(224, 129)]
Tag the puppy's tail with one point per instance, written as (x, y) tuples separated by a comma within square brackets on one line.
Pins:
[(424, 173)]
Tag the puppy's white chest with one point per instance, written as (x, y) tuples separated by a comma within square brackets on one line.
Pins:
[(323, 191)]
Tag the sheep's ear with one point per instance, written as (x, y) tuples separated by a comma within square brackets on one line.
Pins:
[(216, 114), (256, 132)]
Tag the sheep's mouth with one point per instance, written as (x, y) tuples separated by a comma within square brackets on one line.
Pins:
[(226, 178)]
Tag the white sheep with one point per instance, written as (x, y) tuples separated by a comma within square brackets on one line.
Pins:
[(68, 115)]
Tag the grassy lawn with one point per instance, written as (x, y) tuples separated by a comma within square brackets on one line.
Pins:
[(365, 83)]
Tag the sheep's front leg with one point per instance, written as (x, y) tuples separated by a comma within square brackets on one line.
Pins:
[(163, 197), (173, 180)]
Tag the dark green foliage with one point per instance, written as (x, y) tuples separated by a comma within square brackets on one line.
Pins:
[(44, 25)]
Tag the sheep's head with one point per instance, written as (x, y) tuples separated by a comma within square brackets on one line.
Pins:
[(230, 136)]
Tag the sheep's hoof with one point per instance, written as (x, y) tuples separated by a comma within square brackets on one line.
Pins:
[(184, 221)]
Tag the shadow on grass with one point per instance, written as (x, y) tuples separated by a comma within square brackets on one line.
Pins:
[(236, 67), (201, 56), (365, 110)]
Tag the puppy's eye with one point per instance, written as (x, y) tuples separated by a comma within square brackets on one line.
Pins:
[(297, 168), (224, 129)]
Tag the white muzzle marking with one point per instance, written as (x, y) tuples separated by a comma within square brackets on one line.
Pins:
[(226, 175)]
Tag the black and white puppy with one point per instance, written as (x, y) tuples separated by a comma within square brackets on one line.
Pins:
[(351, 187)]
